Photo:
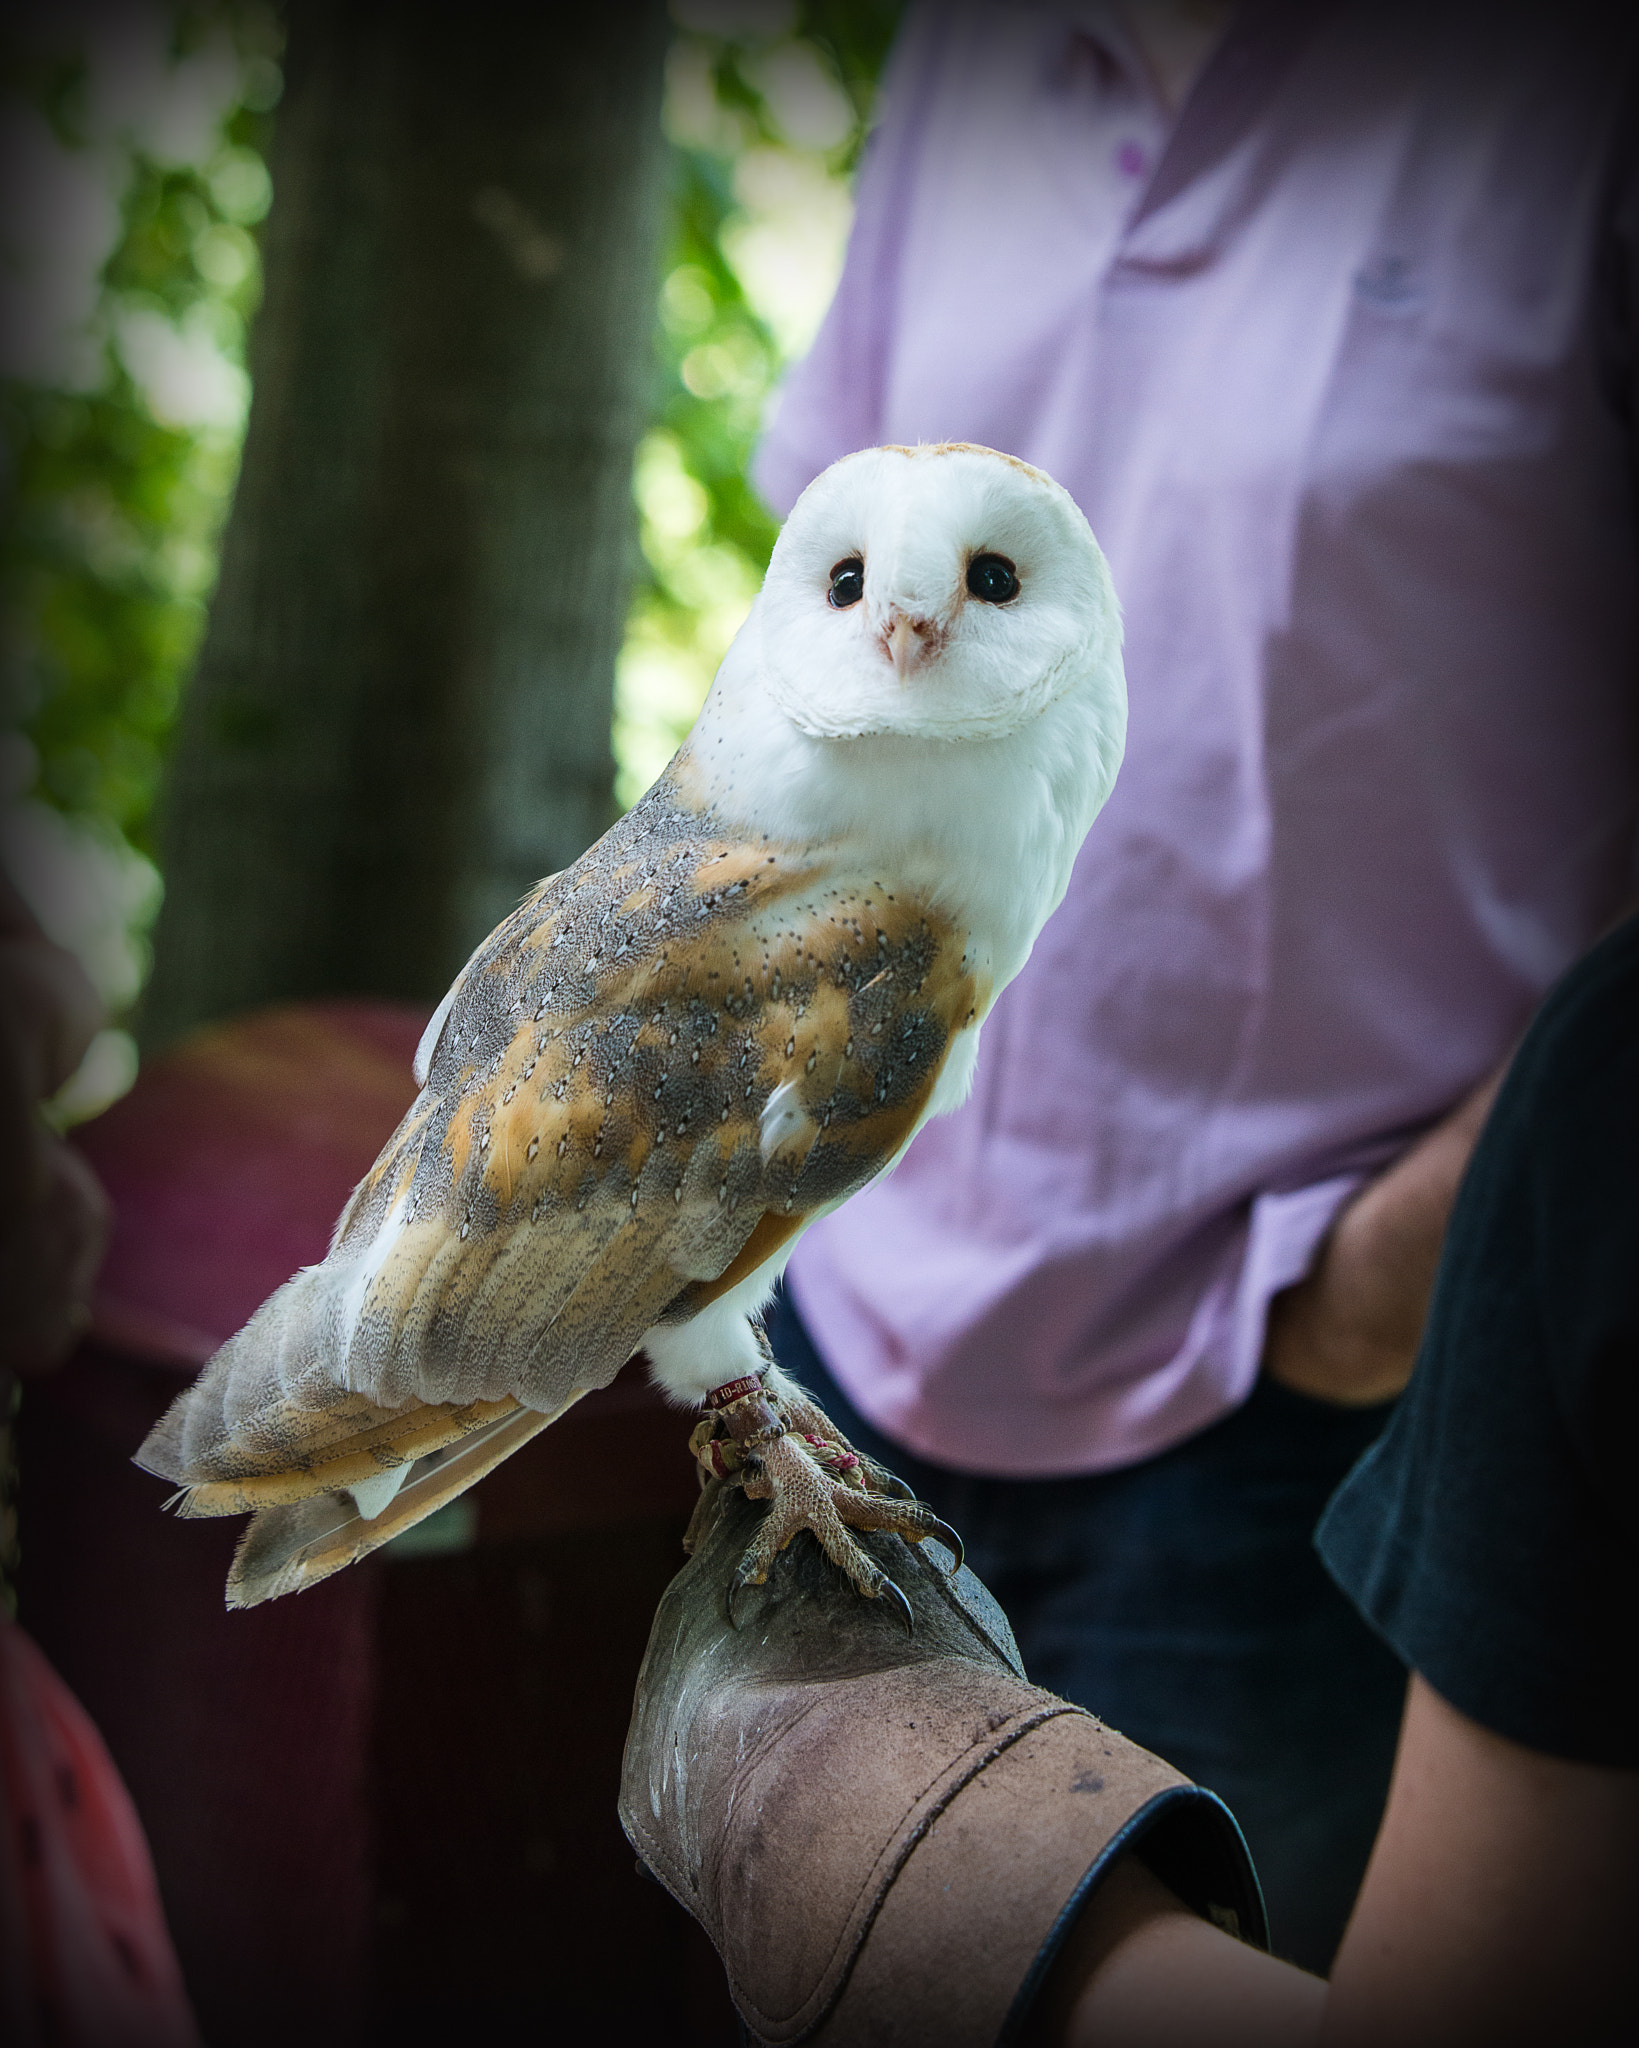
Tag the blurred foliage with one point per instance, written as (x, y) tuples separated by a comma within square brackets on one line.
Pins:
[(141, 158), (767, 108), (135, 150), (119, 489)]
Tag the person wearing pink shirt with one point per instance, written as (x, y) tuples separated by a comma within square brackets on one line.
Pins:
[(1323, 313)]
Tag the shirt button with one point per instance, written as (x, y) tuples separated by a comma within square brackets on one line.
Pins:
[(1130, 159)]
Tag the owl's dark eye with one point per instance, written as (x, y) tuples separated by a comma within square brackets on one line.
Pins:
[(991, 578), (847, 583)]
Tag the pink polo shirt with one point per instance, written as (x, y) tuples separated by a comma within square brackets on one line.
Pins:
[(1339, 368)]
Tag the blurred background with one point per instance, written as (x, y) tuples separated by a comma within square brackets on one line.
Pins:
[(378, 394), (135, 145)]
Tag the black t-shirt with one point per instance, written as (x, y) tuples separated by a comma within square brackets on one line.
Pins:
[(1492, 1533)]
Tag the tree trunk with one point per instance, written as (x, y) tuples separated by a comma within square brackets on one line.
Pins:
[(402, 710)]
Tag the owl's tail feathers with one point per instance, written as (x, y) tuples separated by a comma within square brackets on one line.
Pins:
[(271, 1419), (274, 1397), (370, 1463), (326, 1473), (292, 1545)]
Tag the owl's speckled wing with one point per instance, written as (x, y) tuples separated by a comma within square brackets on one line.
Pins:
[(665, 1061)]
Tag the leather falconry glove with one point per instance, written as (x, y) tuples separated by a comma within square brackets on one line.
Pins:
[(888, 1836)]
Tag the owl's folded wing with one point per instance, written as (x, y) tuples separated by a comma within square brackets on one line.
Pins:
[(659, 1068)]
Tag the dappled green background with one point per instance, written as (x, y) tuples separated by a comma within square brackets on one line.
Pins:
[(135, 160)]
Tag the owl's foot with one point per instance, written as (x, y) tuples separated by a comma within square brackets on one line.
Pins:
[(812, 1479), (811, 1422)]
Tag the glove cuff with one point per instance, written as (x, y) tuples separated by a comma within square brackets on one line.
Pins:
[(971, 1921)]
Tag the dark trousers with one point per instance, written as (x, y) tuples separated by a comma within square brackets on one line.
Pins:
[(1183, 1602)]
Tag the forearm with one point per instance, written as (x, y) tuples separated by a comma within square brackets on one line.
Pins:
[(1141, 1971), (1499, 1906)]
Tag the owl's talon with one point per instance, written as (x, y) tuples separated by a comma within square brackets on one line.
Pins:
[(883, 1481), (805, 1415), (943, 1533), (809, 1487), (896, 1593)]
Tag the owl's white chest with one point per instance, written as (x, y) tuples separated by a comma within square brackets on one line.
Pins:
[(987, 831)]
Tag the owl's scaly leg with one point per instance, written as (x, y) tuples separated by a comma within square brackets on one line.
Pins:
[(812, 1480)]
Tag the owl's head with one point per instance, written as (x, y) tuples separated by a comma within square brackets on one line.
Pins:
[(942, 592)]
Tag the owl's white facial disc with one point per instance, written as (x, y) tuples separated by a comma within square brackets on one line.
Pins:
[(939, 593)]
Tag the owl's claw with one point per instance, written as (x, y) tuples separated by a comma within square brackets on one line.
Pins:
[(896, 1593), (881, 1480), (806, 1415), (802, 1494), (745, 1575), (784, 1449), (945, 1534)]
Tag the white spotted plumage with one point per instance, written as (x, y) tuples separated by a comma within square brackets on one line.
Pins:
[(728, 1015)]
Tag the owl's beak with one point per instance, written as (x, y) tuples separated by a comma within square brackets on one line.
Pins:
[(908, 640)]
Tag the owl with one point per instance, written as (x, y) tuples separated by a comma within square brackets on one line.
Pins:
[(728, 1016)]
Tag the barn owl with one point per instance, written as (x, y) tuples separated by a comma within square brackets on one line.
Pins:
[(729, 1015)]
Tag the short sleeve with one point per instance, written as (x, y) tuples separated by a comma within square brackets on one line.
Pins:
[(1492, 1533)]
